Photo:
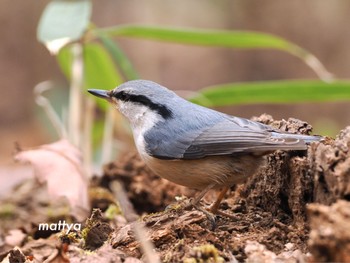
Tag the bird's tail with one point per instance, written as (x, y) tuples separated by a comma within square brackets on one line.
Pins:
[(306, 138)]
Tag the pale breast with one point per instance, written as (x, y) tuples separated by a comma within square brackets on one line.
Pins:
[(198, 174)]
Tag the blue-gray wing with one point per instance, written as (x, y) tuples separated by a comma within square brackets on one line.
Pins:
[(228, 136)]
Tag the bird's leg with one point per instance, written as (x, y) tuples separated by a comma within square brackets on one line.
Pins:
[(201, 194), (195, 201), (214, 208)]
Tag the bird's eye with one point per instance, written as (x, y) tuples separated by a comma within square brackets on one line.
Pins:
[(122, 96)]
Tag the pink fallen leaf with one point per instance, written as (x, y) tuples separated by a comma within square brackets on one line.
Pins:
[(15, 237), (59, 164)]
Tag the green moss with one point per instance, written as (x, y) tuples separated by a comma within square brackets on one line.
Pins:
[(7, 210), (112, 211), (206, 253)]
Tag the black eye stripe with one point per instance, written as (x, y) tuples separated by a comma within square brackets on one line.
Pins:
[(121, 96), (161, 109)]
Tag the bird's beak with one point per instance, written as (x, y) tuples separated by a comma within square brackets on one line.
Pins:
[(104, 94)]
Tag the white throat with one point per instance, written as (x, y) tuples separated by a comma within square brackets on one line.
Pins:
[(141, 118)]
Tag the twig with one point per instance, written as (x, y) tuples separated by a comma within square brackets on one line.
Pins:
[(47, 107), (137, 226)]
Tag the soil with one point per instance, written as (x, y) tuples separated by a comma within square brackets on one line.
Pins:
[(295, 209)]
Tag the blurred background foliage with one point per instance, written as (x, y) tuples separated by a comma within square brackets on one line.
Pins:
[(111, 49)]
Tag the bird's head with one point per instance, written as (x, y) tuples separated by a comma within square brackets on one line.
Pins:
[(140, 101)]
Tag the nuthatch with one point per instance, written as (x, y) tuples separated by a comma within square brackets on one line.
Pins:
[(192, 145)]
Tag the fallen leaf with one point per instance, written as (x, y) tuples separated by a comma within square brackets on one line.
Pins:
[(59, 164), (15, 237)]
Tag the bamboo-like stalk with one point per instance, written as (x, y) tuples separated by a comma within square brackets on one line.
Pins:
[(107, 143), (75, 96), (87, 142)]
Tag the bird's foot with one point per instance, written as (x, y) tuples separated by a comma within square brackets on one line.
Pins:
[(184, 203), (227, 215), (214, 209), (210, 216)]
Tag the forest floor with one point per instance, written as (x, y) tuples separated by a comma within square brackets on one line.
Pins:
[(295, 209)]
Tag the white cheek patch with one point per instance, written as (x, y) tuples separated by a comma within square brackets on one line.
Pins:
[(141, 118)]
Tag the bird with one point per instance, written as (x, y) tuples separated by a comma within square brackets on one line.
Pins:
[(192, 145)]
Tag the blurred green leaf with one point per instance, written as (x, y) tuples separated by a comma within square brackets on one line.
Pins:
[(65, 61), (288, 91), (120, 58), (63, 22), (219, 38), (235, 39), (99, 69)]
